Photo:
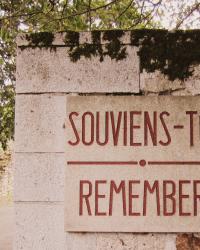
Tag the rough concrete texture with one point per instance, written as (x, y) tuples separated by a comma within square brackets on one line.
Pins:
[(39, 123), (84, 37), (39, 128), (47, 70), (158, 83), (193, 83), (6, 226), (39, 177), (39, 226), (120, 241), (187, 242)]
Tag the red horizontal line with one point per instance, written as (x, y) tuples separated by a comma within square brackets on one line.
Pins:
[(133, 163), (102, 162), (178, 126), (174, 162)]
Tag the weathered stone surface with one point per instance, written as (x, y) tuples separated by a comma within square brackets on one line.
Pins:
[(39, 226), (120, 241), (158, 83), (39, 123), (84, 37), (85, 241), (187, 242), (6, 226), (193, 83), (46, 70), (181, 92), (178, 149), (39, 177)]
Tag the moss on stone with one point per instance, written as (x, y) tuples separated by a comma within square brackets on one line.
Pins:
[(86, 50), (171, 53), (96, 36), (44, 39), (71, 38), (114, 49), (113, 35)]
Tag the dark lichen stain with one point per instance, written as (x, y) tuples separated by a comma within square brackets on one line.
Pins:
[(71, 38), (187, 242), (86, 50), (96, 36), (75, 49), (44, 39), (172, 53), (112, 48), (122, 242)]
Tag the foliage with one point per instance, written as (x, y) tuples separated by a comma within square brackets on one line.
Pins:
[(6, 114)]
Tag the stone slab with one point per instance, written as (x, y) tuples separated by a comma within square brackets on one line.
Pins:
[(39, 226), (6, 227), (172, 156), (39, 123), (85, 37), (192, 84), (42, 70), (156, 82), (39, 177), (120, 241)]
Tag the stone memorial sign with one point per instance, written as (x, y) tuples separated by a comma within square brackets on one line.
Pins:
[(133, 164), (106, 140)]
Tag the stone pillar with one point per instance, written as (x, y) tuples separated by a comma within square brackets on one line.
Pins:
[(47, 71)]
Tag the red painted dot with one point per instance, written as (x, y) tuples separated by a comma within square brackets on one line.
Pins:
[(142, 163)]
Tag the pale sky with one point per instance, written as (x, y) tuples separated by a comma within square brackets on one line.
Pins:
[(173, 10)]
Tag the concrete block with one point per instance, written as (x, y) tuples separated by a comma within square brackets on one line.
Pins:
[(39, 128), (6, 226), (193, 83), (41, 70), (120, 241), (59, 39), (156, 82), (39, 123), (39, 226), (83, 241), (39, 177)]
